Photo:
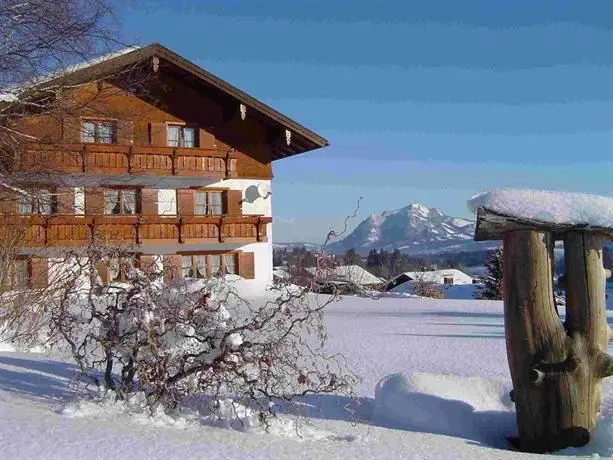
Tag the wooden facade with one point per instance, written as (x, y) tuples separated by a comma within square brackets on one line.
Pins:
[(180, 124)]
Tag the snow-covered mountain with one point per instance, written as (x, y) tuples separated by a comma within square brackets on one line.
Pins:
[(414, 229)]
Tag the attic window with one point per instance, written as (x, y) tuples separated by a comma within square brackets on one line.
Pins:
[(180, 136), (98, 132)]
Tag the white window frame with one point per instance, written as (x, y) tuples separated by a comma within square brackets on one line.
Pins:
[(121, 200), (182, 141), (87, 137), (209, 207)]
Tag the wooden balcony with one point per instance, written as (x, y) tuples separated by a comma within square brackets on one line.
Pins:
[(73, 231), (114, 159)]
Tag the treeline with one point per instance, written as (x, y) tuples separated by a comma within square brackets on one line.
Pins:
[(380, 263)]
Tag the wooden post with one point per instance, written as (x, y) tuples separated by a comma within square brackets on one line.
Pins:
[(586, 322), (534, 335), (556, 368)]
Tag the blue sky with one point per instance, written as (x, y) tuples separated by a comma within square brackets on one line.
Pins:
[(423, 101)]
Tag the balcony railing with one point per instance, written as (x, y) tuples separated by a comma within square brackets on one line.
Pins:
[(114, 159), (74, 231)]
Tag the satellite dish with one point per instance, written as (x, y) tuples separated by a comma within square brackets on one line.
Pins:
[(253, 192)]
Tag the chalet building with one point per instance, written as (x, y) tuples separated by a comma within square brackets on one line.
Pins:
[(158, 156)]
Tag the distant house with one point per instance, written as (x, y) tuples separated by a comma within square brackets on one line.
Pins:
[(346, 278), (448, 277)]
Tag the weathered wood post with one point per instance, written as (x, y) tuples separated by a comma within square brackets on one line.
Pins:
[(556, 368)]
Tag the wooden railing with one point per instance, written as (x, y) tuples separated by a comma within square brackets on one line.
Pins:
[(74, 231), (126, 159)]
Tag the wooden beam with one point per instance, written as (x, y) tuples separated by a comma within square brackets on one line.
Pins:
[(492, 226)]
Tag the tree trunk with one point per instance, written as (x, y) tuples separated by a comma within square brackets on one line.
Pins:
[(556, 372)]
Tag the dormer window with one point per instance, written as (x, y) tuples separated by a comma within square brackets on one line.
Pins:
[(98, 131), (180, 136)]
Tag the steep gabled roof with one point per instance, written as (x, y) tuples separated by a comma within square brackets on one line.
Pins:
[(302, 140)]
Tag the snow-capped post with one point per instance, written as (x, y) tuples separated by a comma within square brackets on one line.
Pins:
[(556, 367)]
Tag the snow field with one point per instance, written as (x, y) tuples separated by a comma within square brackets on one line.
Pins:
[(435, 385)]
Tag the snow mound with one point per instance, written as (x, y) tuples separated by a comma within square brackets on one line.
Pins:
[(545, 206), (467, 407)]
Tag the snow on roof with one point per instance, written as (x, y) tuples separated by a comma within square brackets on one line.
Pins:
[(11, 94), (436, 275), (350, 273), (547, 206)]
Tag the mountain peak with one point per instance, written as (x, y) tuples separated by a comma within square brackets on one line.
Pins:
[(412, 229), (417, 208)]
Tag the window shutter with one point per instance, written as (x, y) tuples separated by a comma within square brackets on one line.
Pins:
[(246, 265), (206, 139), (125, 132), (103, 271), (65, 200), (147, 264), (8, 202), (157, 134), (39, 273), (149, 202), (233, 204), (172, 268), (94, 201), (185, 202), (71, 130)]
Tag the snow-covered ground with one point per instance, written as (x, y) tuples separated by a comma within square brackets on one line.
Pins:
[(435, 385)]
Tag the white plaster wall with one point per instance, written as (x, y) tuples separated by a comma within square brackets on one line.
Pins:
[(61, 270), (262, 260), (261, 206), (79, 201), (167, 202), (258, 206)]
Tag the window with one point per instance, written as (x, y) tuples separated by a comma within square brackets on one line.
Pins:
[(208, 265), (230, 263), (98, 132), (208, 203), (201, 266), (187, 267), (448, 280), (120, 202), (40, 202), (119, 268), (180, 136), (21, 273), (215, 265)]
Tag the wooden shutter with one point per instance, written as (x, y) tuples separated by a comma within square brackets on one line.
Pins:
[(149, 202), (246, 265), (8, 202), (206, 139), (125, 132), (147, 263), (103, 271), (94, 201), (71, 130), (233, 202), (65, 200), (157, 134), (172, 268), (39, 272), (185, 202)]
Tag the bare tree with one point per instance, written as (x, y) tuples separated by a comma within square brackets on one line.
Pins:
[(424, 287)]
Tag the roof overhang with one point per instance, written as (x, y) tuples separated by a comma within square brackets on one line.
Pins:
[(286, 136)]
